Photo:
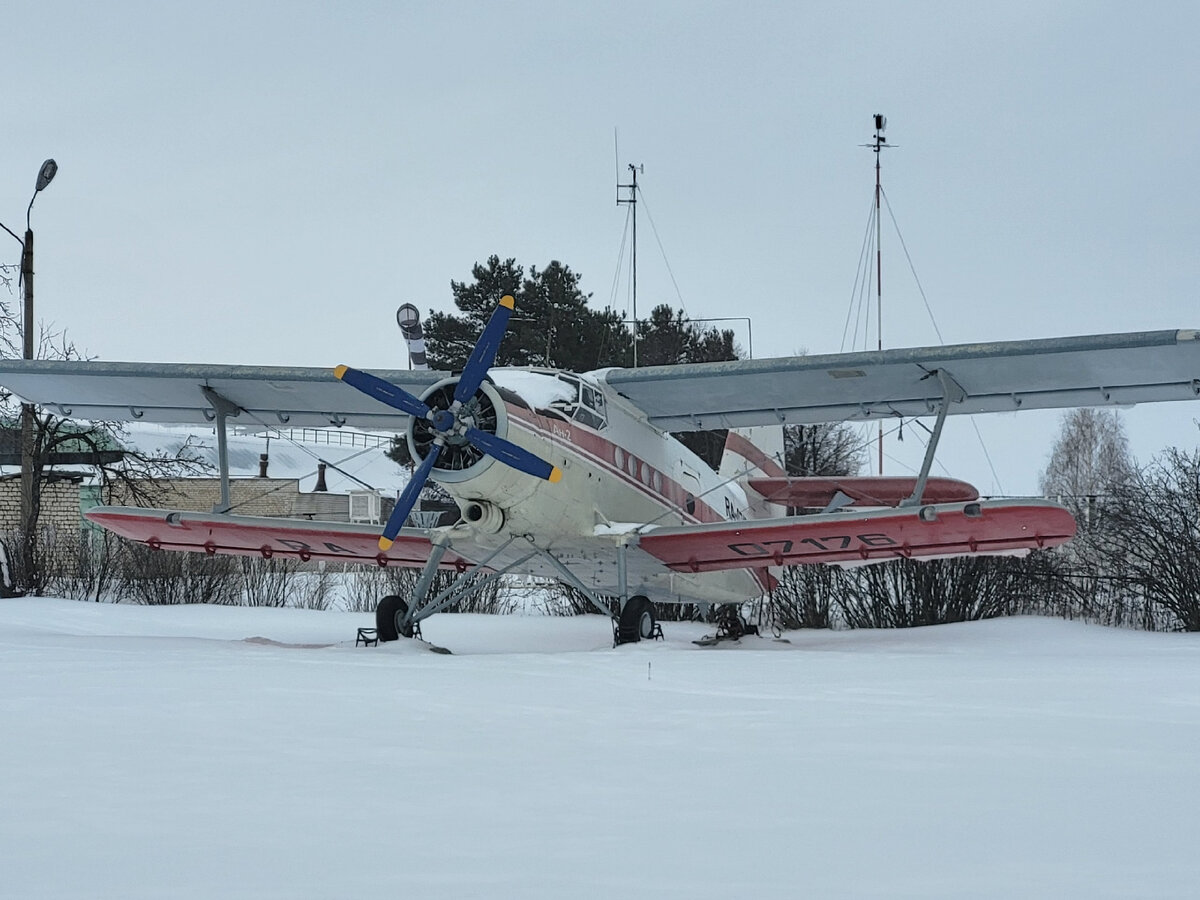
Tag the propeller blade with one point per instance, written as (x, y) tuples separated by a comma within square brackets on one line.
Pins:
[(512, 455), (408, 499), (484, 353), (381, 390)]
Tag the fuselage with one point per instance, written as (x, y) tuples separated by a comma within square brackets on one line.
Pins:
[(621, 475)]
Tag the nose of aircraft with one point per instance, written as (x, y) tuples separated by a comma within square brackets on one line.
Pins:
[(445, 421)]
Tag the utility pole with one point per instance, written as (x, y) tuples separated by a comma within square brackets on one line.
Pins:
[(632, 201), (28, 518)]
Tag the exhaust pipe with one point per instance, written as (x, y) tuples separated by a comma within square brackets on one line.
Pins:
[(484, 517)]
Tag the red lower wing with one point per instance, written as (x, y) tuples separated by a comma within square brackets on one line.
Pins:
[(952, 530), (265, 537)]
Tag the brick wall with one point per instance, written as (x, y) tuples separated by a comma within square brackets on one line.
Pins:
[(248, 496), (60, 506)]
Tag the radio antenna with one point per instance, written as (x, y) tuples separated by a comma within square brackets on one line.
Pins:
[(632, 201), (878, 145)]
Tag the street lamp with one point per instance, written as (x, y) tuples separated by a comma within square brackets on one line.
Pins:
[(45, 175)]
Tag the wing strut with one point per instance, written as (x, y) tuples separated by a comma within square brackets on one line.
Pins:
[(952, 392), (222, 408), (422, 606)]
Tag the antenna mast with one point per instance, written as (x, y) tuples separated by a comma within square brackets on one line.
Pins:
[(632, 201), (880, 143)]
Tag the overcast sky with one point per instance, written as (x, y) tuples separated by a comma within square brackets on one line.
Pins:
[(265, 183)]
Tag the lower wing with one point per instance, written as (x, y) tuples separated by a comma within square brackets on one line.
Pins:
[(954, 529), (951, 529), (266, 537)]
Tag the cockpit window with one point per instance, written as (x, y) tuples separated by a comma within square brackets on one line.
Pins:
[(594, 400), (586, 404)]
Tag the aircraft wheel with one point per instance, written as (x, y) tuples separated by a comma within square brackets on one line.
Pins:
[(637, 621), (389, 616)]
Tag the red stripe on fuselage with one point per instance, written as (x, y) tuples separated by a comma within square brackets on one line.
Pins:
[(601, 452)]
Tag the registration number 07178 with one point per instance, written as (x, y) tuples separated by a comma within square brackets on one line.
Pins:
[(823, 544)]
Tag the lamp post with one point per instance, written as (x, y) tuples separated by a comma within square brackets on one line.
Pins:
[(45, 176)]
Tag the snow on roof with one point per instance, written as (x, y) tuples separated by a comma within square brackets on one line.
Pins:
[(539, 389)]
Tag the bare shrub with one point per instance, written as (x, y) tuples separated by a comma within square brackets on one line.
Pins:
[(167, 578), (561, 599), (906, 593), (480, 595), (265, 582), (804, 597), (312, 589), (367, 585), (1153, 529)]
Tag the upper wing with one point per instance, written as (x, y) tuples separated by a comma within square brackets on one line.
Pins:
[(997, 526), (1096, 370), (174, 392)]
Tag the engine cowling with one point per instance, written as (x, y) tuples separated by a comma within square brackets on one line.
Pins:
[(459, 460)]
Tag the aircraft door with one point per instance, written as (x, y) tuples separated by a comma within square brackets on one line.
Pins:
[(691, 487)]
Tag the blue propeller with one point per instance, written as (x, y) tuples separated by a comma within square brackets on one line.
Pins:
[(385, 391), (484, 353), (447, 423), (408, 498), (512, 455)]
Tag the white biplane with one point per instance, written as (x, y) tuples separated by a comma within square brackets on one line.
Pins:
[(578, 478)]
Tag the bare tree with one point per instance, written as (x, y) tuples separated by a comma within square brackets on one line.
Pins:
[(137, 478), (829, 449), (1090, 460)]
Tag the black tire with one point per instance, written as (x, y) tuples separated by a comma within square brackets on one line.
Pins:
[(731, 626), (389, 615), (637, 621)]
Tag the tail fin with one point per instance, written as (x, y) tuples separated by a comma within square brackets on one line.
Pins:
[(755, 453)]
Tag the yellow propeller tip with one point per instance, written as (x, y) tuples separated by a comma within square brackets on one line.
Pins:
[(555, 475), (508, 301), (385, 544), (340, 372)]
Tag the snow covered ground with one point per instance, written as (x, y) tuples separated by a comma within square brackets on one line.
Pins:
[(158, 752)]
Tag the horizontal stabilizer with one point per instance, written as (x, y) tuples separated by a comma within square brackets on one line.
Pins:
[(877, 490)]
